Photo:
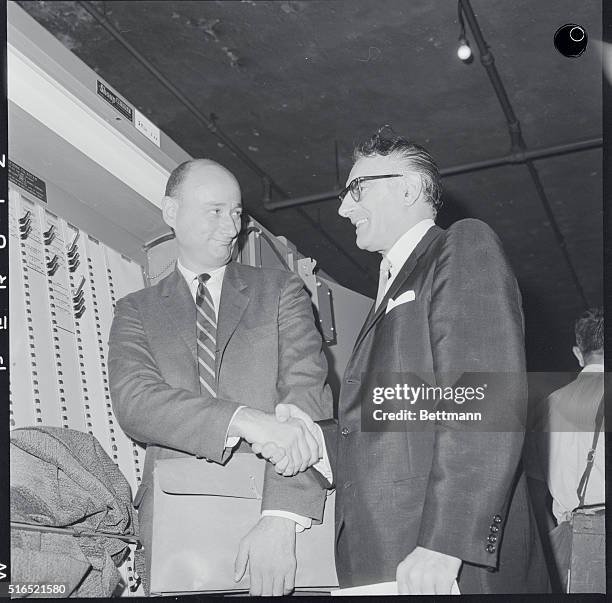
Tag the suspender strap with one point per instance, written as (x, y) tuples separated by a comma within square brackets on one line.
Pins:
[(584, 480)]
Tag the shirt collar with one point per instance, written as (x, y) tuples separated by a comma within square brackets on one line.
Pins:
[(593, 368), (190, 276), (406, 244)]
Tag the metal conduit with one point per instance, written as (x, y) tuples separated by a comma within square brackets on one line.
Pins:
[(523, 156), (513, 158), (517, 142), (216, 131)]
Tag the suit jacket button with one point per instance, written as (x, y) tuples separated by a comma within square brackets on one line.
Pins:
[(494, 528), (490, 548), (497, 519), (345, 431), (492, 538)]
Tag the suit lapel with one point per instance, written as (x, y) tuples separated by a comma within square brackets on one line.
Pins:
[(234, 301), (405, 271), (180, 307)]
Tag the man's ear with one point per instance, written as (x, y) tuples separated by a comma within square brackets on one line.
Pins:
[(169, 209), (412, 185), (578, 354)]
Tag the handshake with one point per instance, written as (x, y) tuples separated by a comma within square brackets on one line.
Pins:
[(289, 439)]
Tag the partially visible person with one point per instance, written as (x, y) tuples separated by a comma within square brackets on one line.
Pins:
[(559, 446)]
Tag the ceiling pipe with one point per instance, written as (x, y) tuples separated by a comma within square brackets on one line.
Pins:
[(513, 158), (517, 143), (211, 125), (524, 156), (488, 61)]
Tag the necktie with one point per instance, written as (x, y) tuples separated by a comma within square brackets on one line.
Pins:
[(206, 332), (383, 279)]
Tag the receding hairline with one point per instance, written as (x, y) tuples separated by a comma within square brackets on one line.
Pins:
[(181, 173)]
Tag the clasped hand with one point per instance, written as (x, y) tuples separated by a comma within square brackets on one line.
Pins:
[(291, 442)]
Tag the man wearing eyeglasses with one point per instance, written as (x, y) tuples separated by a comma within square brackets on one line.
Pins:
[(430, 506)]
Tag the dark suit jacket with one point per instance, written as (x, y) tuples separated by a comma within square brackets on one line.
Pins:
[(268, 351), (440, 489)]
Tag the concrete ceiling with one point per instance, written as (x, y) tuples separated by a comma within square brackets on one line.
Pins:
[(288, 80)]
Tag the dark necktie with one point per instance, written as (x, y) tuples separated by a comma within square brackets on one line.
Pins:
[(206, 332)]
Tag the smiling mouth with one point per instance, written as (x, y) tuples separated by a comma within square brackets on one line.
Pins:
[(360, 222)]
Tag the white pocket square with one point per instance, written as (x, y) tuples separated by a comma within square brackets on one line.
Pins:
[(406, 296)]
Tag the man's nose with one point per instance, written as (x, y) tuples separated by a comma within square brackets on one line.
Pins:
[(231, 226), (347, 206)]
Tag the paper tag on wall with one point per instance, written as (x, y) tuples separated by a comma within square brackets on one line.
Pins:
[(146, 127)]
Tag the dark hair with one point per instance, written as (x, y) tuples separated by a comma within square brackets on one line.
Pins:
[(177, 177), (417, 156), (589, 330)]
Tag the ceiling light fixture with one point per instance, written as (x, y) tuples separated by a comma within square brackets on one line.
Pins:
[(464, 52)]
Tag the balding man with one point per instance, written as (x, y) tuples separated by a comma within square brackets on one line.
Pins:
[(199, 361)]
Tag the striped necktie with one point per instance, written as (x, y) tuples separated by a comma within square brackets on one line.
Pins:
[(206, 332)]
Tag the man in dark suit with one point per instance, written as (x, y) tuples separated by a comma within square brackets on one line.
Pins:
[(200, 360), (428, 506)]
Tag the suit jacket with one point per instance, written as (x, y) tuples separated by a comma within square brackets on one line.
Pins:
[(456, 491), (268, 351)]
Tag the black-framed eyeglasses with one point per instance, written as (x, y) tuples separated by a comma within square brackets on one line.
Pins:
[(354, 186)]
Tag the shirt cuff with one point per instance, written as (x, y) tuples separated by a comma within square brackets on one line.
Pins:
[(231, 441), (323, 466), (301, 523)]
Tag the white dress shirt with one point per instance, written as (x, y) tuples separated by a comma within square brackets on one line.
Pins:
[(214, 286), (396, 257), (404, 246), (567, 460)]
